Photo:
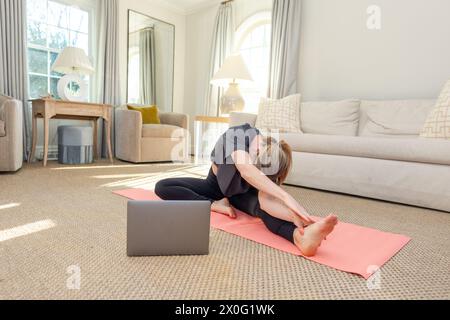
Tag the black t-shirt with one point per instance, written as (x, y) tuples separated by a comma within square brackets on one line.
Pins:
[(235, 138)]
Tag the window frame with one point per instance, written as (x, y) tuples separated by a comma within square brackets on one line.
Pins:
[(84, 5), (245, 29), (250, 24)]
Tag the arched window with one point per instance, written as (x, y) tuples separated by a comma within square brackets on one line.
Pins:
[(253, 42)]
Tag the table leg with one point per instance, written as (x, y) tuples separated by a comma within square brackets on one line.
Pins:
[(108, 139), (46, 137), (197, 141), (96, 139), (34, 139)]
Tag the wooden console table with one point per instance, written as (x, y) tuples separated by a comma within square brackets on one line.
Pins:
[(59, 109)]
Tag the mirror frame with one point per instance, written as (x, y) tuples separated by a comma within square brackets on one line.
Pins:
[(128, 53)]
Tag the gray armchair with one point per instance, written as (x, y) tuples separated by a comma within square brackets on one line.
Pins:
[(11, 134), (140, 143)]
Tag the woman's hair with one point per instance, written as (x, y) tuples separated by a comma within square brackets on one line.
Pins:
[(275, 159)]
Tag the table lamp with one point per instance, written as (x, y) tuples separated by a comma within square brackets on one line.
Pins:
[(73, 62), (233, 72)]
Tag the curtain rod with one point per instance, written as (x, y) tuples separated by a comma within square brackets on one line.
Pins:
[(225, 2)]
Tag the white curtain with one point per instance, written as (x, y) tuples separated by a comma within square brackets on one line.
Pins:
[(285, 48), (147, 66), (222, 46), (107, 62), (13, 59)]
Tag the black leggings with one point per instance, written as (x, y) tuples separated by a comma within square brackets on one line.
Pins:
[(209, 190)]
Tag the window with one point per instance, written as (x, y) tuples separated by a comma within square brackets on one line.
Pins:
[(254, 38), (52, 26)]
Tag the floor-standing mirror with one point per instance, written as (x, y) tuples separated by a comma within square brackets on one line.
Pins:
[(151, 45)]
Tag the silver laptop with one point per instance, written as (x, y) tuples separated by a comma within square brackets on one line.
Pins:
[(162, 228)]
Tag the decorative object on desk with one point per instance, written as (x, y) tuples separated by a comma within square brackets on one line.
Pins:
[(73, 62), (233, 72)]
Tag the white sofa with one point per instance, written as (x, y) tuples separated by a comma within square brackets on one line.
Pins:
[(370, 149)]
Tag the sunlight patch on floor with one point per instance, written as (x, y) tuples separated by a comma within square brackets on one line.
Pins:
[(148, 181), (122, 176), (26, 229), (201, 170), (9, 206), (122, 166)]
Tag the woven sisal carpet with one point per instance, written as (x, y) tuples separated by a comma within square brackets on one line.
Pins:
[(87, 230)]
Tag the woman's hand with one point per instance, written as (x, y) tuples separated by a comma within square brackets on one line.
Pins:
[(260, 181), (293, 205)]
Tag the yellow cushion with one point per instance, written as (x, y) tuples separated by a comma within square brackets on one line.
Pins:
[(149, 114)]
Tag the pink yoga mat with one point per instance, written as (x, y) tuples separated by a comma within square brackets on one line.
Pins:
[(349, 248)]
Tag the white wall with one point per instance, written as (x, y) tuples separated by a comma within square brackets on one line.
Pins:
[(408, 58), (340, 58), (244, 9), (198, 38)]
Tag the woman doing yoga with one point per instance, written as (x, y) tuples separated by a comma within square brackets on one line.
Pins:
[(246, 173)]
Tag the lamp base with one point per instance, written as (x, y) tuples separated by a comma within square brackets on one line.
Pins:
[(232, 100), (65, 93)]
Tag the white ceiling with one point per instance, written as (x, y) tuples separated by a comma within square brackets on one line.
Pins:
[(189, 6)]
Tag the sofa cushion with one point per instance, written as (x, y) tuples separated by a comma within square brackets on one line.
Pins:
[(282, 114), (2, 128), (161, 131), (394, 118), (437, 124), (405, 149), (334, 118), (150, 114)]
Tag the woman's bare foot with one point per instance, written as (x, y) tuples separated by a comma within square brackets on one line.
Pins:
[(310, 241), (224, 207)]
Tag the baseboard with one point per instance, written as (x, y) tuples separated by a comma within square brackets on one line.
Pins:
[(52, 152)]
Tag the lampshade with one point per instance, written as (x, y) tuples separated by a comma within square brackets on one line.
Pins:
[(234, 70), (73, 60)]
